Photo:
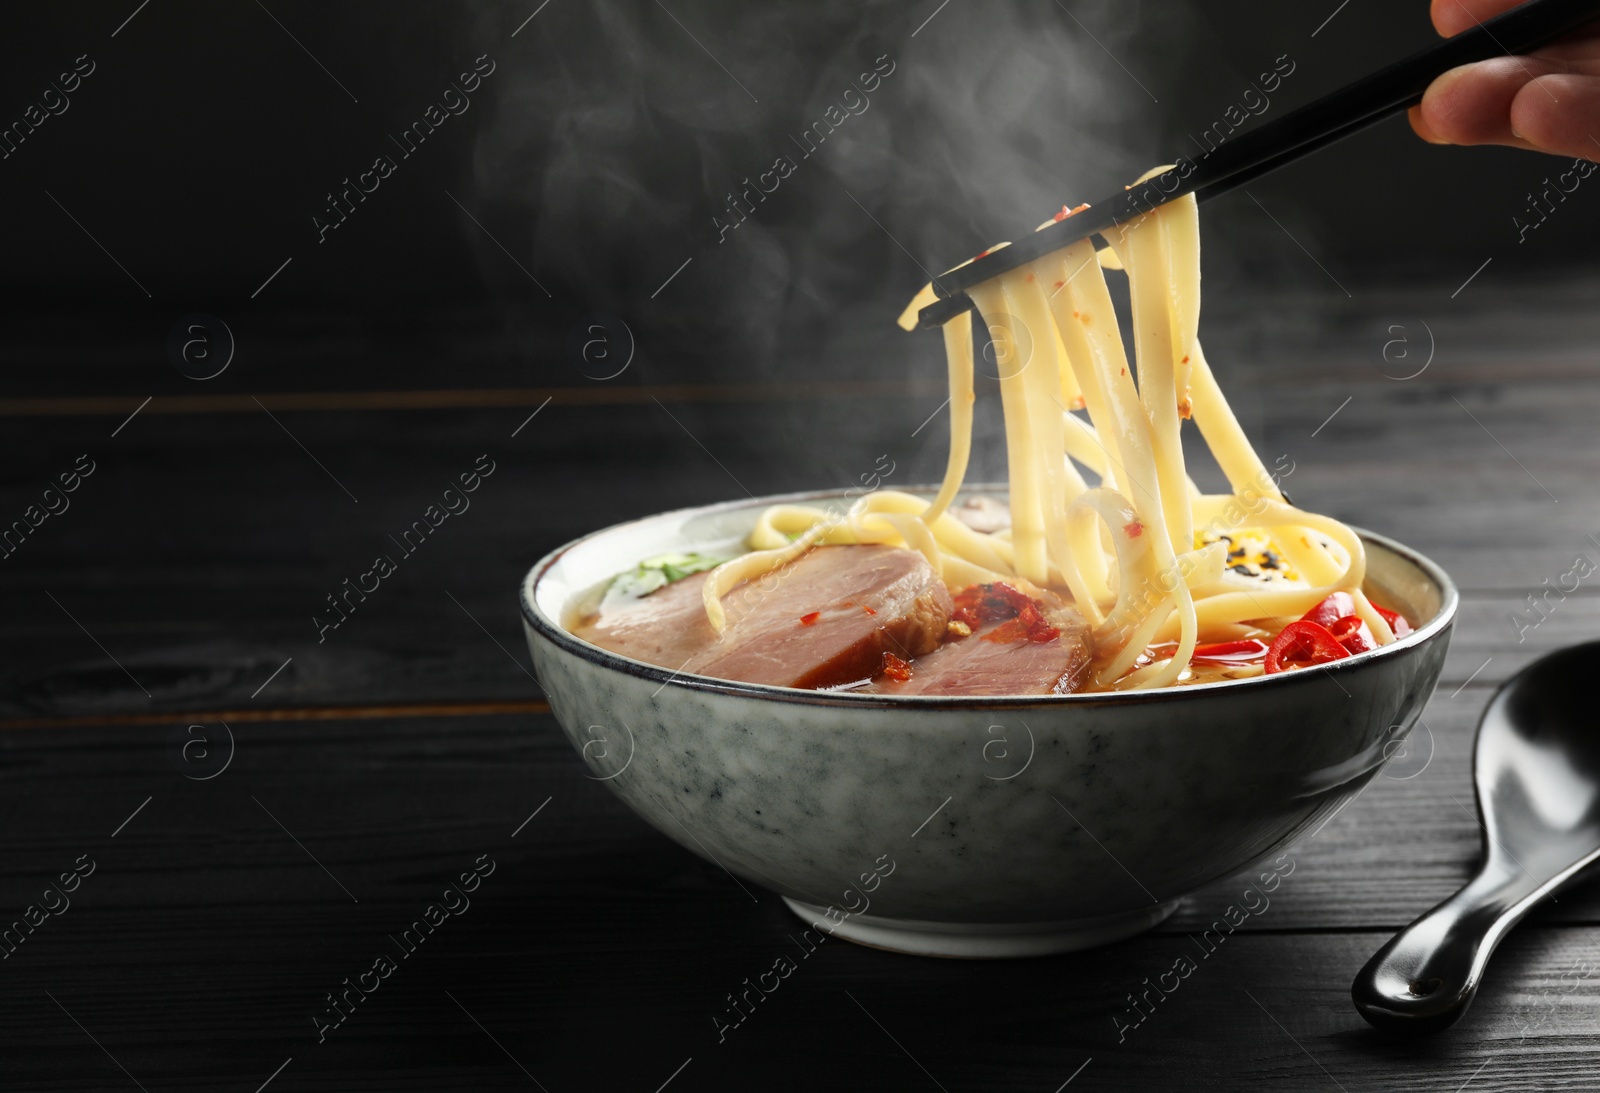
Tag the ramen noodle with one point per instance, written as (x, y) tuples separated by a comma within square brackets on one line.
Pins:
[(1156, 567)]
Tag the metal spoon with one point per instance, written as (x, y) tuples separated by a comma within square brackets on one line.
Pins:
[(1537, 769)]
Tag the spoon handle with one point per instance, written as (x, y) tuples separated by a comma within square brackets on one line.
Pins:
[(1424, 979)]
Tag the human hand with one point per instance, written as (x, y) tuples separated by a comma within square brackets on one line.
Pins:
[(1547, 101)]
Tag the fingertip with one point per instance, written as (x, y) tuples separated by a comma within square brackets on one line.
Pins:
[(1449, 19), (1549, 113), (1419, 126), (1447, 113), (1471, 104)]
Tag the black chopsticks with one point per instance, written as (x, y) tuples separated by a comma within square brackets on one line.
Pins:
[(1241, 160)]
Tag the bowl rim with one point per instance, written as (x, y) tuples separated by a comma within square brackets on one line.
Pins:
[(552, 631)]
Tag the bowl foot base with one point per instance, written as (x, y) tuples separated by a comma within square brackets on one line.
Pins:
[(985, 941)]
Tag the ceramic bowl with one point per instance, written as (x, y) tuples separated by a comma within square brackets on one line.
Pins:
[(975, 827)]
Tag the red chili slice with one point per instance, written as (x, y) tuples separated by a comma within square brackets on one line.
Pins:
[(896, 669), (1331, 610), (1354, 634), (1303, 644), (808, 620), (1397, 622), (1232, 652)]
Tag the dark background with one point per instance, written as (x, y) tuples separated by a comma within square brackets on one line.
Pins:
[(598, 152), (448, 317)]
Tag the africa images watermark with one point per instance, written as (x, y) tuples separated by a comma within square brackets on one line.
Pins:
[(453, 102), (352, 994), (1552, 596), (53, 102), (1157, 190), (1540, 206), (741, 1008), (55, 903), (852, 103), (1142, 1006), (1580, 970), (454, 502), (1254, 102), (54, 502)]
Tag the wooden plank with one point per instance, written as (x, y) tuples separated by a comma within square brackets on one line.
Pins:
[(598, 952), (199, 556), (199, 551), (1408, 841), (1545, 327)]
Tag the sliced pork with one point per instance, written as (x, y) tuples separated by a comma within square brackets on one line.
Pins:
[(1001, 660), (667, 627), (1004, 642), (825, 619)]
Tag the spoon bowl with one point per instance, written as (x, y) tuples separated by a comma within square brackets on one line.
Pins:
[(1537, 770)]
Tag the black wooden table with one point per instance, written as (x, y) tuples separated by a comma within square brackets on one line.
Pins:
[(249, 816)]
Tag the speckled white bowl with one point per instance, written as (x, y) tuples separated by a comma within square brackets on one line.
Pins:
[(975, 826)]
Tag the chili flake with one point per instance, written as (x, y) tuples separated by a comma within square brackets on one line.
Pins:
[(896, 669)]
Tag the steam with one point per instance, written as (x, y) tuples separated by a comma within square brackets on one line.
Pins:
[(622, 139)]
